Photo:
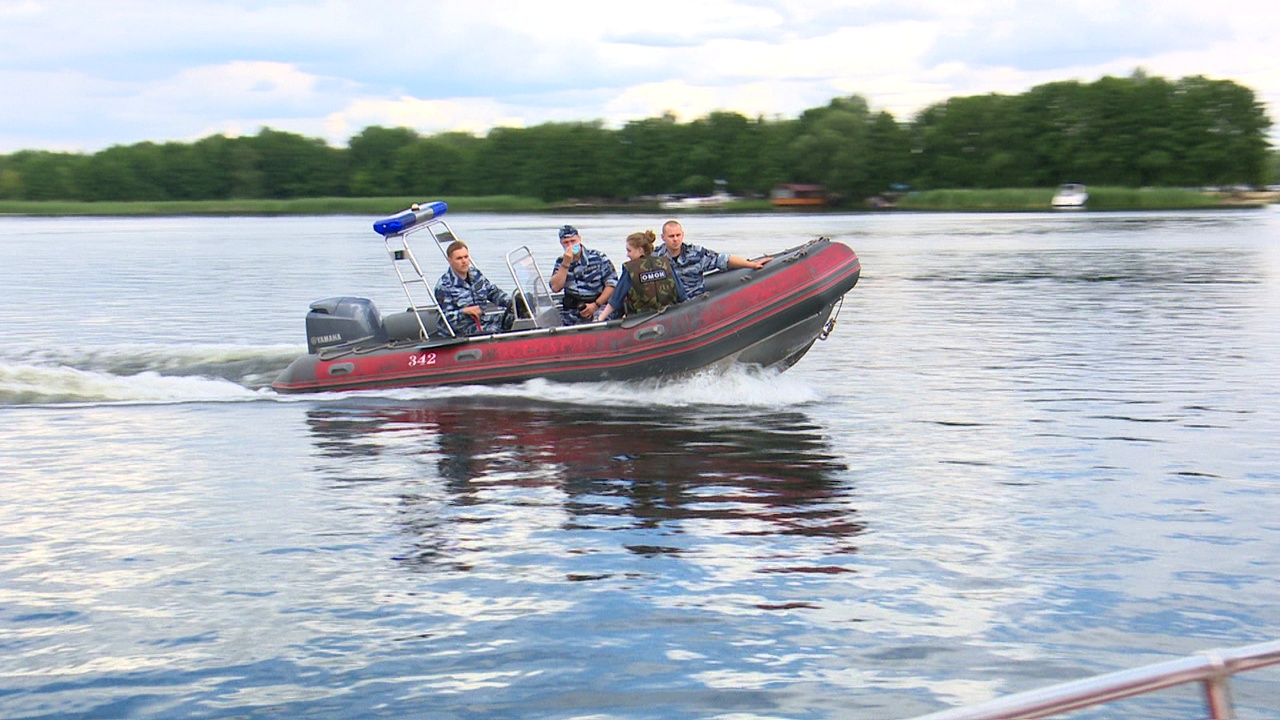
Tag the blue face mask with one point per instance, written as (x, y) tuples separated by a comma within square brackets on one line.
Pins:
[(577, 249)]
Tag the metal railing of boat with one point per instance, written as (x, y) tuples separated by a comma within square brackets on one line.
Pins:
[(1213, 669)]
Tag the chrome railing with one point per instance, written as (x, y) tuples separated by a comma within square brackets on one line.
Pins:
[(1212, 668)]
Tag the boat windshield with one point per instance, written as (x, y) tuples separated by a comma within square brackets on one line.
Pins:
[(530, 283)]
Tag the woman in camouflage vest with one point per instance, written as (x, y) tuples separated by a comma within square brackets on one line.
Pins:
[(647, 283)]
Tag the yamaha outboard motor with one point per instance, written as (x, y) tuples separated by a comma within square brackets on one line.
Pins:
[(342, 320)]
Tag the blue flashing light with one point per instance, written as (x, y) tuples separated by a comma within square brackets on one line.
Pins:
[(416, 215)]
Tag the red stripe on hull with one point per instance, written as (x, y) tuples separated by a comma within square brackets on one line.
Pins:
[(684, 338)]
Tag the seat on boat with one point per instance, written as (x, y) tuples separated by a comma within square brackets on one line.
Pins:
[(403, 325)]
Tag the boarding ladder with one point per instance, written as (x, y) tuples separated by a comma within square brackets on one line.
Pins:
[(533, 295), (417, 288)]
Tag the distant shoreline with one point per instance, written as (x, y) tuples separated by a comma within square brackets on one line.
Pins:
[(1006, 200)]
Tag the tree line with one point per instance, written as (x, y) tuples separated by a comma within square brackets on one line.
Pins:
[(1136, 131)]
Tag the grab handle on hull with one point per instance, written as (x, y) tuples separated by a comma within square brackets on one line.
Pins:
[(651, 333)]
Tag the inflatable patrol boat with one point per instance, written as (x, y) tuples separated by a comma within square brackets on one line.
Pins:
[(767, 318)]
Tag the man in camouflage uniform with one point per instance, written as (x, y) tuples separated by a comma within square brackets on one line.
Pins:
[(461, 294), (693, 261), (586, 276)]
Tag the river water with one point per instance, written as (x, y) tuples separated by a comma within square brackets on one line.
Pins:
[(1036, 448)]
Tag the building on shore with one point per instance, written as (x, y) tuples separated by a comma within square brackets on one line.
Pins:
[(795, 195)]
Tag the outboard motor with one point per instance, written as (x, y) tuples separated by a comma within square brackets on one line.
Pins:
[(342, 320)]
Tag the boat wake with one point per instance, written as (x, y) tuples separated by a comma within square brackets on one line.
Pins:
[(228, 373), (140, 374), (737, 386)]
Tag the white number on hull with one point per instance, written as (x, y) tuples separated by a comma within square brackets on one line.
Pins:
[(422, 360)]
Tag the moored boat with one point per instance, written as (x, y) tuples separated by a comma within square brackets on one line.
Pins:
[(767, 318), (1070, 195), (714, 201)]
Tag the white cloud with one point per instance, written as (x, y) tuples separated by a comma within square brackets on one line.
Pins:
[(235, 88), (83, 76), (429, 115)]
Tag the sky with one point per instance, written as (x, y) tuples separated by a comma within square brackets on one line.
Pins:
[(84, 76)]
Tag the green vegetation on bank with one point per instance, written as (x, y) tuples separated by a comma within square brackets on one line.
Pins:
[(1130, 132), (1001, 200), (372, 206), (1038, 199)]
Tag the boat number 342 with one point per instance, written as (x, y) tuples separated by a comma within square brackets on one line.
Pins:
[(423, 359)]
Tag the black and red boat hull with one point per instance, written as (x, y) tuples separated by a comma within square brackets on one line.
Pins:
[(767, 318)]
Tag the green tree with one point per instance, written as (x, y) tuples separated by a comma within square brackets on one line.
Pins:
[(436, 166), (888, 154), (831, 147), (767, 159), (552, 161), (292, 166), (697, 185), (714, 148), (111, 175), (1223, 129), (372, 156), (42, 175), (968, 142), (228, 168), (1271, 175), (649, 156), (1137, 130)]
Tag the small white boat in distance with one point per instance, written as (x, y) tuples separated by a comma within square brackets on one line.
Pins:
[(718, 199), (1070, 195)]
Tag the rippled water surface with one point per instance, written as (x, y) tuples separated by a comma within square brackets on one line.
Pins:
[(1036, 448)]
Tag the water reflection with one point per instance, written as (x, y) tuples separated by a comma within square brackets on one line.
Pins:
[(1145, 270), (472, 476)]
